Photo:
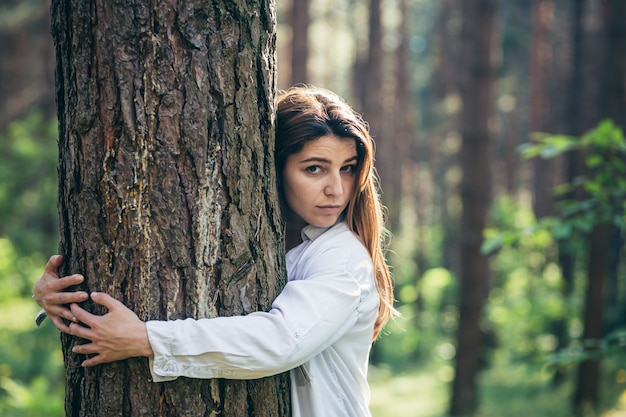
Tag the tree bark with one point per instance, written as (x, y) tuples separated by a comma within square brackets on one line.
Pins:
[(167, 196), (475, 158)]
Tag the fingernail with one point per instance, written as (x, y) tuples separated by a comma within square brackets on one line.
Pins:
[(95, 294), (84, 296), (74, 319), (74, 349)]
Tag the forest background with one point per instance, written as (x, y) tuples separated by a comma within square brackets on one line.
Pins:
[(550, 333)]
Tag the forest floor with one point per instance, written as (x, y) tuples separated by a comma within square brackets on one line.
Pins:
[(503, 392)]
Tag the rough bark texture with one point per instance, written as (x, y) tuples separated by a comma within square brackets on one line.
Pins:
[(167, 193), (476, 87)]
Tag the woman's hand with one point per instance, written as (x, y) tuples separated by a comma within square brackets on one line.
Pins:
[(50, 294), (117, 335)]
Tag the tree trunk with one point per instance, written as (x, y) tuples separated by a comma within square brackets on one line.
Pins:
[(300, 21), (402, 131), (571, 164), (611, 100), (540, 56), (374, 110), (615, 91), (26, 61), (615, 65), (587, 386), (167, 195), (475, 158)]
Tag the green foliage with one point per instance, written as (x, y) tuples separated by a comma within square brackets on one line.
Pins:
[(31, 379), (28, 184), (602, 200), (527, 289), (504, 390), (613, 344), (603, 186)]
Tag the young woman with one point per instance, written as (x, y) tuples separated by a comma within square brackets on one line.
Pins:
[(338, 296)]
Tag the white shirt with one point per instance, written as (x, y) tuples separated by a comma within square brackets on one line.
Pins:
[(320, 327)]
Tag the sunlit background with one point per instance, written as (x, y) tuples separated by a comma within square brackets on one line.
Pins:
[(556, 67)]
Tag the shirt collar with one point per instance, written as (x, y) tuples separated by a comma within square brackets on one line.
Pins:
[(311, 233)]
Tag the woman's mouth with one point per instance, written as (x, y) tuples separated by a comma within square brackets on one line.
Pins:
[(330, 209)]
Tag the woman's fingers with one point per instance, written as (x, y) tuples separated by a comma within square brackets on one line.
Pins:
[(95, 360), (86, 349), (83, 316), (58, 313), (60, 284), (81, 331), (53, 264), (54, 292), (50, 290), (60, 324), (55, 305), (107, 301)]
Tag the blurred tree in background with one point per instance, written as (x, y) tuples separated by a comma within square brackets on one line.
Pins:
[(558, 68)]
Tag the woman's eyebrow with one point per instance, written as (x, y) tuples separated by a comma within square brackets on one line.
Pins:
[(325, 160), (315, 159)]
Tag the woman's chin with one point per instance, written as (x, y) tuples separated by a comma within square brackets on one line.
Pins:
[(324, 223)]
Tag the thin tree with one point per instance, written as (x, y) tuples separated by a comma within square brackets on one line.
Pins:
[(300, 20), (402, 130), (540, 57), (27, 55), (475, 158), (611, 98), (167, 195), (614, 14)]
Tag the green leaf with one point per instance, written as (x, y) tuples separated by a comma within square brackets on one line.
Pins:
[(594, 161)]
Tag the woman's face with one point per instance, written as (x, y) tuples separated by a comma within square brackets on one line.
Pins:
[(318, 181)]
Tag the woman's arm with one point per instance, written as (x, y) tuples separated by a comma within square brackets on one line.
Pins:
[(49, 292)]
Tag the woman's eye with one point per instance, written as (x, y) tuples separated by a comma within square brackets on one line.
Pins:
[(314, 169), (349, 168)]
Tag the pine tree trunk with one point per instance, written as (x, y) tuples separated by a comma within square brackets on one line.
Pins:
[(475, 158), (586, 396), (601, 245), (544, 179), (300, 20), (167, 195), (615, 91)]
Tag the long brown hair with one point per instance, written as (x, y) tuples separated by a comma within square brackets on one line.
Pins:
[(308, 113)]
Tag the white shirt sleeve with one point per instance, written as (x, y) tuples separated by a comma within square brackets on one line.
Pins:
[(307, 317)]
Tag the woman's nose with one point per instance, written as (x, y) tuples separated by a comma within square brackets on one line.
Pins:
[(334, 186)]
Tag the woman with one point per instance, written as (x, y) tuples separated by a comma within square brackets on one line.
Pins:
[(337, 299)]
